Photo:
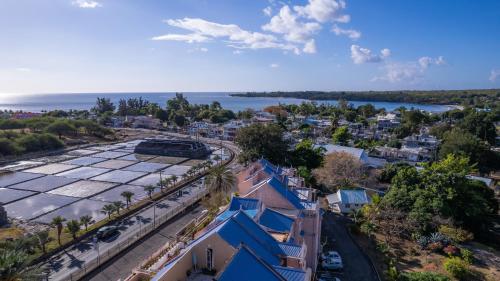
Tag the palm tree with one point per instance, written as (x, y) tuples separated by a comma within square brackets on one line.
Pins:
[(108, 209), (128, 197), (57, 222), (14, 266), (166, 183), (43, 238), (86, 220), (220, 179), (118, 206), (73, 227), (174, 179), (149, 190)]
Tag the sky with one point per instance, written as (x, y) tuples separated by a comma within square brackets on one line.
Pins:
[(63, 46)]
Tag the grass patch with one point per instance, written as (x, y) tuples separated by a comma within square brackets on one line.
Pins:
[(10, 233)]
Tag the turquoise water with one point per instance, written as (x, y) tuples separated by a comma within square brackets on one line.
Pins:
[(41, 102)]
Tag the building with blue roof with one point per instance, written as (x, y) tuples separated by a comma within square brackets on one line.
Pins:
[(348, 200), (276, 221)]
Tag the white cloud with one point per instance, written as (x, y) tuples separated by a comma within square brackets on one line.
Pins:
[(204, 50), (310, 47), (412, 71), (425, 62), (236, 37), (87, 4), (494, 74), (286, 22), (189, 38), (324, 10), (274, 65), (361, 55), (351, 33), (237, 52), (268, 11)]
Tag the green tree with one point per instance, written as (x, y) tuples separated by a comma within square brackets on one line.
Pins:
[(423, 276), (341, 135), (14, 266), (108, 210), (43, 238), (103, 105), (57, 222), (150, 189), (220, 179), (266, 141), (73, 226), (86, 221), (481, 125), (118, 206), (305, 154), (127, 195), (61, 128)]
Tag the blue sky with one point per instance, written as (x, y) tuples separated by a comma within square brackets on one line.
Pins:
[(49, 46)]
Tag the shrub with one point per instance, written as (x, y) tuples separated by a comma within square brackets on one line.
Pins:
[(423, 276), (423, 241), (8, 147), (457, 267), (467, 255), (451, 250), (456, 234), (435, 246)]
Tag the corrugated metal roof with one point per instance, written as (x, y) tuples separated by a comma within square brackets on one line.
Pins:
[(285, 192), (291, 250), (355, 152), (275, 221), (246, 266), (238, 203), (240, 228), (358, 196), (291, 274)]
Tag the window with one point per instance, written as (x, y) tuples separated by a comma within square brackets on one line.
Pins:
[(210, 258), (348, 205)]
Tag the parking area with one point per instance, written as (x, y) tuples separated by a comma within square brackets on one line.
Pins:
[(80, 182), (356, 265)]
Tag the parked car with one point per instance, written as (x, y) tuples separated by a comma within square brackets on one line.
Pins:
[(106, 231), (332, 260)]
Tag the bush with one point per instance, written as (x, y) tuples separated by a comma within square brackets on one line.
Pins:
[(451, 250), (456, 234), (423, 276), (467, 255), (8, 147), (457, 267)]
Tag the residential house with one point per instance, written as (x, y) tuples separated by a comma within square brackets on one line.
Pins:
[(347, 200)]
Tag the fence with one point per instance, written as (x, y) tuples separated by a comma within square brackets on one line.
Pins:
[(144, 230)]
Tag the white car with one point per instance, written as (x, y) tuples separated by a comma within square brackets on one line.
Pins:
[(331, 260)]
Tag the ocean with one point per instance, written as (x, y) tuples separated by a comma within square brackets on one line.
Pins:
[(80, 101)]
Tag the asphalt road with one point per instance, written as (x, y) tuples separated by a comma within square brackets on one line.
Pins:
[(356, 265), (121, 266)]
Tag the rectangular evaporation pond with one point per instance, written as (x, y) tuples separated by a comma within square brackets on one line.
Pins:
[(8, 195), (127, 150), (108, 147), (119, 176), (81, 152), (11, 178), (21, 165), (36, 205), (84, 161), (83, 173), (136, 157), (177, 170), (168, 159), (151, 179), (76, 210), (193, 162), (82, 189), (113, 164), (110, 154), (51, 169), (114, 194), (43, 184), (146, 167)]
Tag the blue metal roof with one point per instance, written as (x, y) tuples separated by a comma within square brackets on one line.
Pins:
[(269, 167), (353, 196), (240, 228), (290, 249), (238, 203), (245, 265), (227, 213), (291, 274), (275, 221), (285, 192)]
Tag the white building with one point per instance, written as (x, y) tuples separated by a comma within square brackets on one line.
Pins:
[(346, 201)]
